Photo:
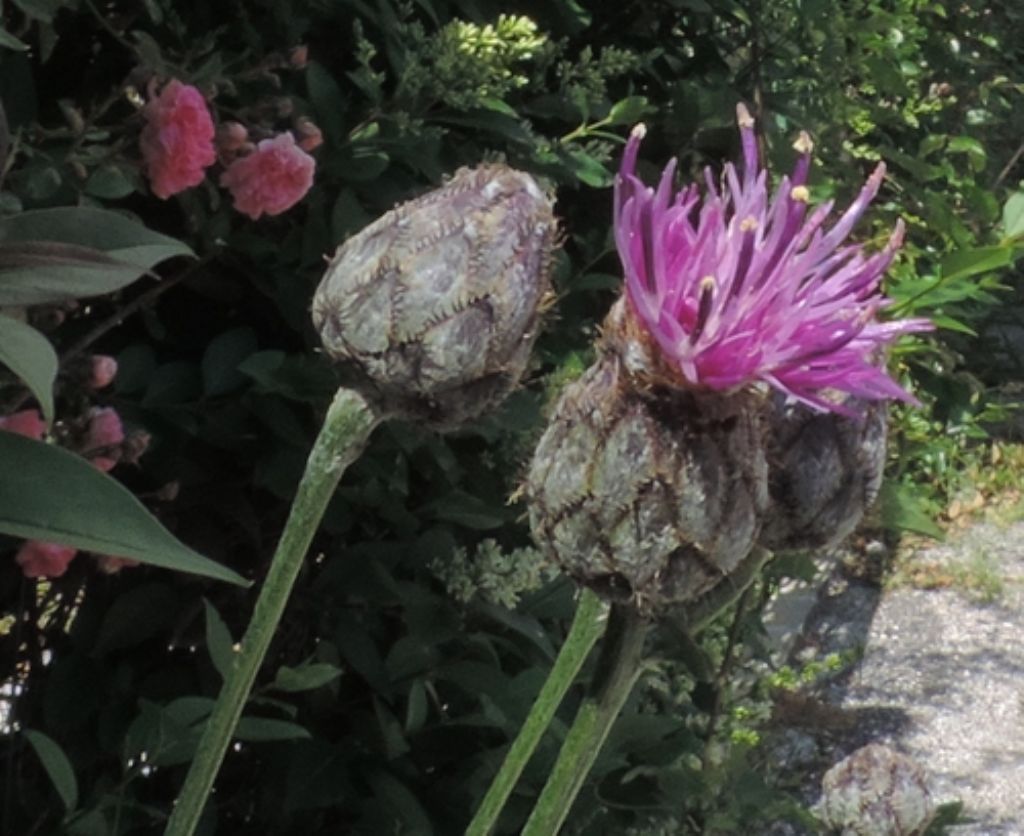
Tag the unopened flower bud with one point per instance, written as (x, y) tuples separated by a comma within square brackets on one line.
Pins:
[(27, 422), (825, 471), (876, 791), (431, 310), (651, 496), (308, 134), (102, 444), (102, 372), (299, 56), (135, 444), (110, 565), (231, 136), (44, 560)]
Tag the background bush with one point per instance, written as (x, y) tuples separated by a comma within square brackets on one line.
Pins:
[(424, 624)]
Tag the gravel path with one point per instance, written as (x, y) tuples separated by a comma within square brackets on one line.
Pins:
[(941, 677)]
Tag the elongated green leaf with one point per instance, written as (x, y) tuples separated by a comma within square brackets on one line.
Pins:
[(218, 640), (8, 40), (263, 729), (57, 766), (965, 263), (305, 677), (904, 510), (47, 255), (47, 493), (30, 356)]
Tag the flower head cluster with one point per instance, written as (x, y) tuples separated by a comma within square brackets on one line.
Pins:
[(271, 179), (738, 286), (104, 444), (177, 141)]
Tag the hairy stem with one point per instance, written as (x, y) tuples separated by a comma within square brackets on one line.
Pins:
[(346, 428), (618, 669), (586, 627)]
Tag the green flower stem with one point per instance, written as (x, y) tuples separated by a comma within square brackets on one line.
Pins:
[(618, 669), (586, 627), (346, 429)]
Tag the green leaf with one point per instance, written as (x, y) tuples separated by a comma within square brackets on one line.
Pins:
[(136, 616), (49, 255), (222, 358), (1013, 216), (48, 493), (218, 641), (467, 510), (325, 94), (629, 111), (975, 151), (263, 729), (30, 356), (110, 182), (306, 677), (965, 263), (904, 510), (10, 42), (57, 766)]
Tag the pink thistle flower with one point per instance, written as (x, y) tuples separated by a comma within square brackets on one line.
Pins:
[(270, 180), (44, 560), (103, 439), (177, 141), (739, 286), (28, 423)]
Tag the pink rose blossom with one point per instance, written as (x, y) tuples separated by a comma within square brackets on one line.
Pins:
[(103, 439), (272, 179), (28, 423), (44, 560), (177, 141), (104, 370), (738, 285), (299, 56)]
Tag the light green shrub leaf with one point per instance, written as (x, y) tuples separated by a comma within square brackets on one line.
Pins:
[(1013, 216), (47, 493), (30, 356)]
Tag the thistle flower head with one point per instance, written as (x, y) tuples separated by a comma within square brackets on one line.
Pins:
[(738, 285)]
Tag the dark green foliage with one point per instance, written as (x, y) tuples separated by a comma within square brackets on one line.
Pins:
[(391, 690)]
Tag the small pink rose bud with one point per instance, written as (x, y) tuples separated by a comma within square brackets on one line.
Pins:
[(103, 439), (168, 492), (44, 560), (231, 136), (104, 370), (309, 135), (134, 446), (110, 565), (299, 56), (28, 423)]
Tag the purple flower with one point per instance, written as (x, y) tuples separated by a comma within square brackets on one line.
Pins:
[(738, 286)]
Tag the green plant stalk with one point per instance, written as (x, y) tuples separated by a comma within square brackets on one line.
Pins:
[(586, 627), (345, 431), (619, 667)]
